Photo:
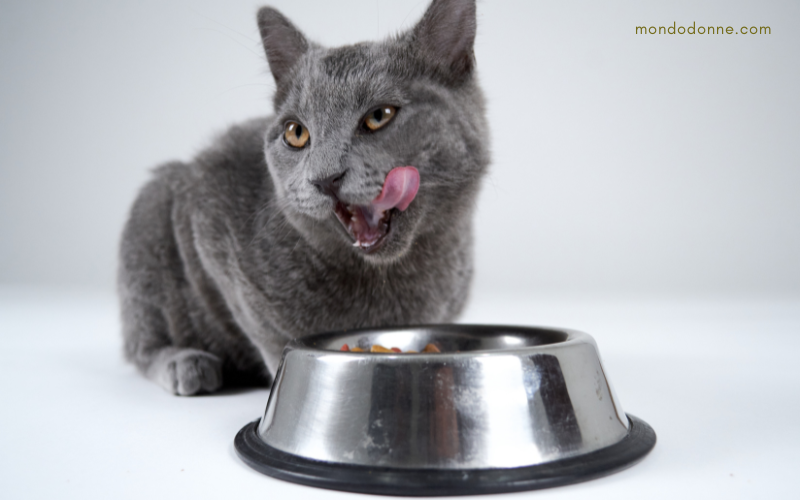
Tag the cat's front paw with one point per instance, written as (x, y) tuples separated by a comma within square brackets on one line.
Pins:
[(187, 372)]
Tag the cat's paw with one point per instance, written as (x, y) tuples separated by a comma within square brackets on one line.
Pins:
[(188, 372)]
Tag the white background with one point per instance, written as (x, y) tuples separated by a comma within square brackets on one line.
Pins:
[(623, 163), (644, 189)]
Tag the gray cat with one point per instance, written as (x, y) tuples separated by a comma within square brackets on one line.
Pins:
[(350, 207)]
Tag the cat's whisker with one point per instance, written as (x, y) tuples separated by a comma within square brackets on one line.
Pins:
[(258, 54), (220, 94), (247, 37)]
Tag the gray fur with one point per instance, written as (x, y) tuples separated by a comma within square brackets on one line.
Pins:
[(228, 257)]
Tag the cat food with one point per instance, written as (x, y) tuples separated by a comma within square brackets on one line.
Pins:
[(430, 348)]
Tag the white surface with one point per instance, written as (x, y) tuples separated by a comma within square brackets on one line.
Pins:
[(718, 380), (622, 162)]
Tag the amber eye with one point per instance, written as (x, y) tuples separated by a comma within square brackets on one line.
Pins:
[(379, 117), (295, 135)]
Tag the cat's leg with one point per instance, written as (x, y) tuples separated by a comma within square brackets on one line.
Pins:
[(186, 372), (155, 312), (183, 371)]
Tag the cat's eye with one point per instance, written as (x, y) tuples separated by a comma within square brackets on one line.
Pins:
[(378, 118), (295, 135)]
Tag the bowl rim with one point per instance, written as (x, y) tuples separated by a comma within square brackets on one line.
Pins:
[(573, 337)]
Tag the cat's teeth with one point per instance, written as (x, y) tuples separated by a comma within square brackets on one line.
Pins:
[(363, 244)]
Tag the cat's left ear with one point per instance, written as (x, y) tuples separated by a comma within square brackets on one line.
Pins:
[(283, 43), (445, 37)]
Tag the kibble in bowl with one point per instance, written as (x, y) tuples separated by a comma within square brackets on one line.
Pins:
[(429, 348)]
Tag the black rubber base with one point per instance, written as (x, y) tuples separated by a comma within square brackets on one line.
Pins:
[(438, 482)]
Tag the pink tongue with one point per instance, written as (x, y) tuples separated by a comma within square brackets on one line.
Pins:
[(399, 189)]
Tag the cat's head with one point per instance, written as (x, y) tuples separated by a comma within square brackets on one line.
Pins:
[(377, 144)]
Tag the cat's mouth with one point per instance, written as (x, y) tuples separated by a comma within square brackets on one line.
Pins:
[(367, 228), (369, 225)]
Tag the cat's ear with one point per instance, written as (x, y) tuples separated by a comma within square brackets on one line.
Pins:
[(445, 37), (283, 43)]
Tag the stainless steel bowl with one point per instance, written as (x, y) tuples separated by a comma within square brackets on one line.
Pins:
[(534, 403)]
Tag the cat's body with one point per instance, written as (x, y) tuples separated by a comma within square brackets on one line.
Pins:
[(227, 258)]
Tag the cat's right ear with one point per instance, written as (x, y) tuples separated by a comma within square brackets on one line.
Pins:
[(283, 43), (445, 36)]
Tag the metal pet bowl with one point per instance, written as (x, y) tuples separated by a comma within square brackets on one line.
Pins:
[(501, 408)]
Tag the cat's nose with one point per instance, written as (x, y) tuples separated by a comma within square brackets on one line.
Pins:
[(329, 185)]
